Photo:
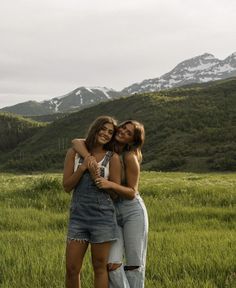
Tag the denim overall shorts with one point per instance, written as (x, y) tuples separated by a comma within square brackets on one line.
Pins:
[(92, 213)]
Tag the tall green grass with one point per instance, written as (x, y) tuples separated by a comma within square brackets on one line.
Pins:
[(192, 238)]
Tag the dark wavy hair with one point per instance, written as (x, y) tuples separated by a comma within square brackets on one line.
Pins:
[(95, 127)]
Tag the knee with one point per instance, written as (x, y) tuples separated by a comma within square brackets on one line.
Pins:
[(72, 270), (99, 265), (113, 266)]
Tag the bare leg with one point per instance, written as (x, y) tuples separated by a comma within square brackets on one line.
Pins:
[(100, 254), (75, 251)]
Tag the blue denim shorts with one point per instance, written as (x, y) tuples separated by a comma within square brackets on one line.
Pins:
[(92, 214)]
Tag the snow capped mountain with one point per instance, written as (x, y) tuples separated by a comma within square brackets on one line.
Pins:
[(199, 69), (79, 98)]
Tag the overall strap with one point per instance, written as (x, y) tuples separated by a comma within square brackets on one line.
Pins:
[(107, 158), (105, 162)]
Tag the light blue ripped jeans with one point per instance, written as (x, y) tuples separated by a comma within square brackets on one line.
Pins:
[(131, 245)]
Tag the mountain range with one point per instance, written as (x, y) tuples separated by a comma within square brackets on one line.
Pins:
[(200, 69), (191, 128), (79, 98)]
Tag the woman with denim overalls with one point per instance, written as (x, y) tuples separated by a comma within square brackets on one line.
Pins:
[(130, 209), (92, 214)]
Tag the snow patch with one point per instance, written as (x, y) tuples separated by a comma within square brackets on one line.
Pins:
[(57, 105), (105, 90), (172, 81), (89, 90), (81, 100), (224, 68), (200, 67), (206, 79)]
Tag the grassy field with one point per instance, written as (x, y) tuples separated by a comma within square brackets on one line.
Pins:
[(192, 239)]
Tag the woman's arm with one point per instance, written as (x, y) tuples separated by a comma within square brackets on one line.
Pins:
[(80, 147), (71, 177), (132, 172)]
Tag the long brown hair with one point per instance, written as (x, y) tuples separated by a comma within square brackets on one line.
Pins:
[(95, 127), (139, 137)]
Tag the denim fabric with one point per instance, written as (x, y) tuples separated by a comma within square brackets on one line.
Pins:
[(92, 213), (132, 243), (118, 279)]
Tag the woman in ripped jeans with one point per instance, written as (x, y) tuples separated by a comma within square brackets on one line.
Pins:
[(130, 209)]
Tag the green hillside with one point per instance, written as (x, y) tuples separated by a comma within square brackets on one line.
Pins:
[(15, 129), (34, 107), (190, 128), (47, 118)]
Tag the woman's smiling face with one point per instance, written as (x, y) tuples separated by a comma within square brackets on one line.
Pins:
[(125, 134), (105, 134)]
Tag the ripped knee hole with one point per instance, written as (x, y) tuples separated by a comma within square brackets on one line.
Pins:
[(113, 266), (130, 268)]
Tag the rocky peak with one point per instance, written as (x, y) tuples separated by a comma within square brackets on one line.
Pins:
[(199, 69), (231, 60), (201, 62)]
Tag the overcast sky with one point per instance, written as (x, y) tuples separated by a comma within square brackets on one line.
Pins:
[(50, 47)]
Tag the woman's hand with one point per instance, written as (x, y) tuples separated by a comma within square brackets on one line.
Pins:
[(103, 183), (88, 162), (85, 163), (93, 167)]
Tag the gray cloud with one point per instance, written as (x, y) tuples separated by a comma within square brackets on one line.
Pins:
[(50, 47)]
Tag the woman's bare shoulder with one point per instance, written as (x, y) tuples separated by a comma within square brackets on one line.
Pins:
[(115, 156), (130, 157)]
